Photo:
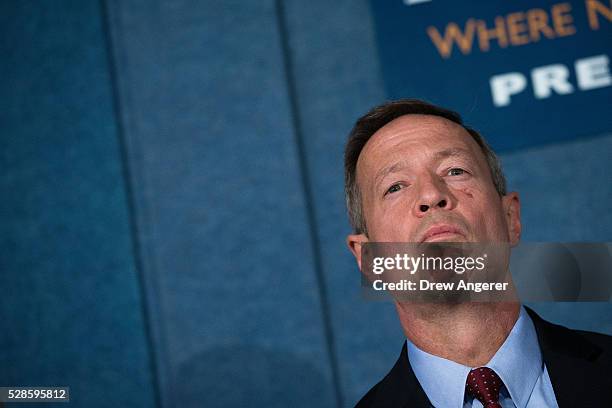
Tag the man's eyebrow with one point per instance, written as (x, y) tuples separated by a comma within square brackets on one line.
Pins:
[(385, 171), (451, 152), (442, 154)]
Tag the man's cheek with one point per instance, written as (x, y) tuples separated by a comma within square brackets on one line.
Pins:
[(472, 191), (467, 192)]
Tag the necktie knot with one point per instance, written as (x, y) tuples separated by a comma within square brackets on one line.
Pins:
[(484, 384)]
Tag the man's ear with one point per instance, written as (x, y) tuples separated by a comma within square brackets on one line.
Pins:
[(512, 214), (354, 242)]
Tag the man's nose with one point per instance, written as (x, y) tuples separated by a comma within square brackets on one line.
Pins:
[(433, 193)]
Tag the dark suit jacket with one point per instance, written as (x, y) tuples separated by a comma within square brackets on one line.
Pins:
[(579, 364)]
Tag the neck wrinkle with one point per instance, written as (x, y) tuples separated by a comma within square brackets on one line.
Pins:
[(469, 334)]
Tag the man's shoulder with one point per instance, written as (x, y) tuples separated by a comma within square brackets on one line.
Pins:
[(548, 325), (576, 359), (561, 339), (369, 399), (600, 340), (603, 345), (399, 388), (378, 395)]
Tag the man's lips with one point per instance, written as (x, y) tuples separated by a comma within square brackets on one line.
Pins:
[(441, 231)]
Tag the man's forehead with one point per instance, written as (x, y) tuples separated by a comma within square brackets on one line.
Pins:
[(417, 126), (422, 131)]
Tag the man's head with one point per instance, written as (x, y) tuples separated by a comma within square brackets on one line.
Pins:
[(414, 172)]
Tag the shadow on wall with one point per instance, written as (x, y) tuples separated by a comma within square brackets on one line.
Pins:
[(562, 272), (246, 375)]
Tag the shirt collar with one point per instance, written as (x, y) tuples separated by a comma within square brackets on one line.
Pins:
[(442, 380), (518, 362)]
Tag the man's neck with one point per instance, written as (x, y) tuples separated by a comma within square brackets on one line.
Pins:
[(468, 333)]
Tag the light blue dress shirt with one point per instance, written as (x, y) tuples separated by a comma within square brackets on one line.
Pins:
[(518, 362)]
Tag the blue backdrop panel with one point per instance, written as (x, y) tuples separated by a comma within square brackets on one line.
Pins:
[(223, 229), (565, 190), (70, 309), (337, 80), (524, 72)]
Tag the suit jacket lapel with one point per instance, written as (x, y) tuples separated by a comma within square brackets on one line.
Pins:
[(577, 367)]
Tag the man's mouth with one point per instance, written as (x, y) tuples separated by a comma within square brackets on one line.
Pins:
[(442, 232)]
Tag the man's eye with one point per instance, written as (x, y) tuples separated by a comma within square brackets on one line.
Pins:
[(394, 188), (456, 172)]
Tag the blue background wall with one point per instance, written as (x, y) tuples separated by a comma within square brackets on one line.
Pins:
[(172, 221)]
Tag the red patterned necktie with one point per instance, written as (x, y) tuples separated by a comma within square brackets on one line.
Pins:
[(484, 384)]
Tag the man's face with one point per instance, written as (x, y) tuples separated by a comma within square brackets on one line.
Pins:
[(422, 179)]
